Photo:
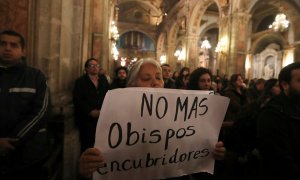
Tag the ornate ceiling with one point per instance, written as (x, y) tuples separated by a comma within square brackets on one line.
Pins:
[(144, 11)]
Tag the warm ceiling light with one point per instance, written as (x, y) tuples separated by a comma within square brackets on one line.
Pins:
[(205, 44), (280, 23), (114, 31), (221, 46)]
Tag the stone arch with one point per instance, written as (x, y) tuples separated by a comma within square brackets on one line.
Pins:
[(145, 3), (197, 13), (260, 43), (293, 15), (197, 29)]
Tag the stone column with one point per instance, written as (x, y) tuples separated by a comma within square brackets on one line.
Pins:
[(101, 44), (297, 52), (170, 54), (222, 56), (57, 30), (191, 46), (238, 34)]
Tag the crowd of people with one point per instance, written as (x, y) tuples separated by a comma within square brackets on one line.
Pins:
[(259, 138), (239, 133)]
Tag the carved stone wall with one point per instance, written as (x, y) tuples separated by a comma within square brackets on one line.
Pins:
[(267, 64)]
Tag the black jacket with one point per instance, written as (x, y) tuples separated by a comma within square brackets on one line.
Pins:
[(279, 138), (87, 97), (24, 107)]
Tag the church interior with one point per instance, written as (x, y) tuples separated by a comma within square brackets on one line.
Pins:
[(252, 37)]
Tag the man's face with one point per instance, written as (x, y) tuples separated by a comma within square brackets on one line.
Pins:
[(166, 72), (11, 50), (122, 74), (294, 86), (93, 68)]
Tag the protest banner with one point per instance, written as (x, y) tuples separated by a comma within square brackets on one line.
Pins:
[(150, 133)]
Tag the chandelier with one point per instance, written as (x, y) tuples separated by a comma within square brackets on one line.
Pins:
[(114, 37), (205, 44), (180, 54), (114, 51), (280, 23), (221, 46), (163, 59), (114, 31)]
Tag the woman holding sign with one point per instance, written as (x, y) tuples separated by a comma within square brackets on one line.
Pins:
[(144, 73)]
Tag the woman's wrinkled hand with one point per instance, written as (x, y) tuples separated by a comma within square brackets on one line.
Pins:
[(90, 160), (219, 151)]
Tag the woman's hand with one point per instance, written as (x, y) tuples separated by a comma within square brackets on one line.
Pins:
[(219, 151), (90, 160)]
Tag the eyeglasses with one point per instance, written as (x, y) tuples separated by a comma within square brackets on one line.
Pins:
[(93, 65)]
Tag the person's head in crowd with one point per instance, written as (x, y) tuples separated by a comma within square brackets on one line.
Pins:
[(12, 48), (289, 80), (92, 67), (145, 73), (236, 81), (217, 78), (252, 82), (272, 87), (175, 75), (166, 71), (183, 78), (200, 79), (260, 84), (185, 71), (121, 73)]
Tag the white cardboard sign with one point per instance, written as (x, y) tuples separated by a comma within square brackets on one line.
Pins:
[(150, 133)]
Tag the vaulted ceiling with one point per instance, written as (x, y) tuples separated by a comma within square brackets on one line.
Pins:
[(144, 11)]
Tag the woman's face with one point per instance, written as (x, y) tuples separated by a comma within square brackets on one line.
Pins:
[(239, 83), (276, 89), (204, 82), (150, 76)]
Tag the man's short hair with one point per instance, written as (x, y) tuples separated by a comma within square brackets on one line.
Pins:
[(120, 68), (286, 72), (260, 80), (14, 33), (86, 64)]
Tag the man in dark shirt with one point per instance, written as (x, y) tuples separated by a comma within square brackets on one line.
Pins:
[(167, 76), (279, 128), (120, 79), (88, 95), (24, 107)]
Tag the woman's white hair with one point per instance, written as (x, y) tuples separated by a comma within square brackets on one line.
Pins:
[(135, 69)]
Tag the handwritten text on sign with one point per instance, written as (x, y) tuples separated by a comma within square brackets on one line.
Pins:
[(158, 133)]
